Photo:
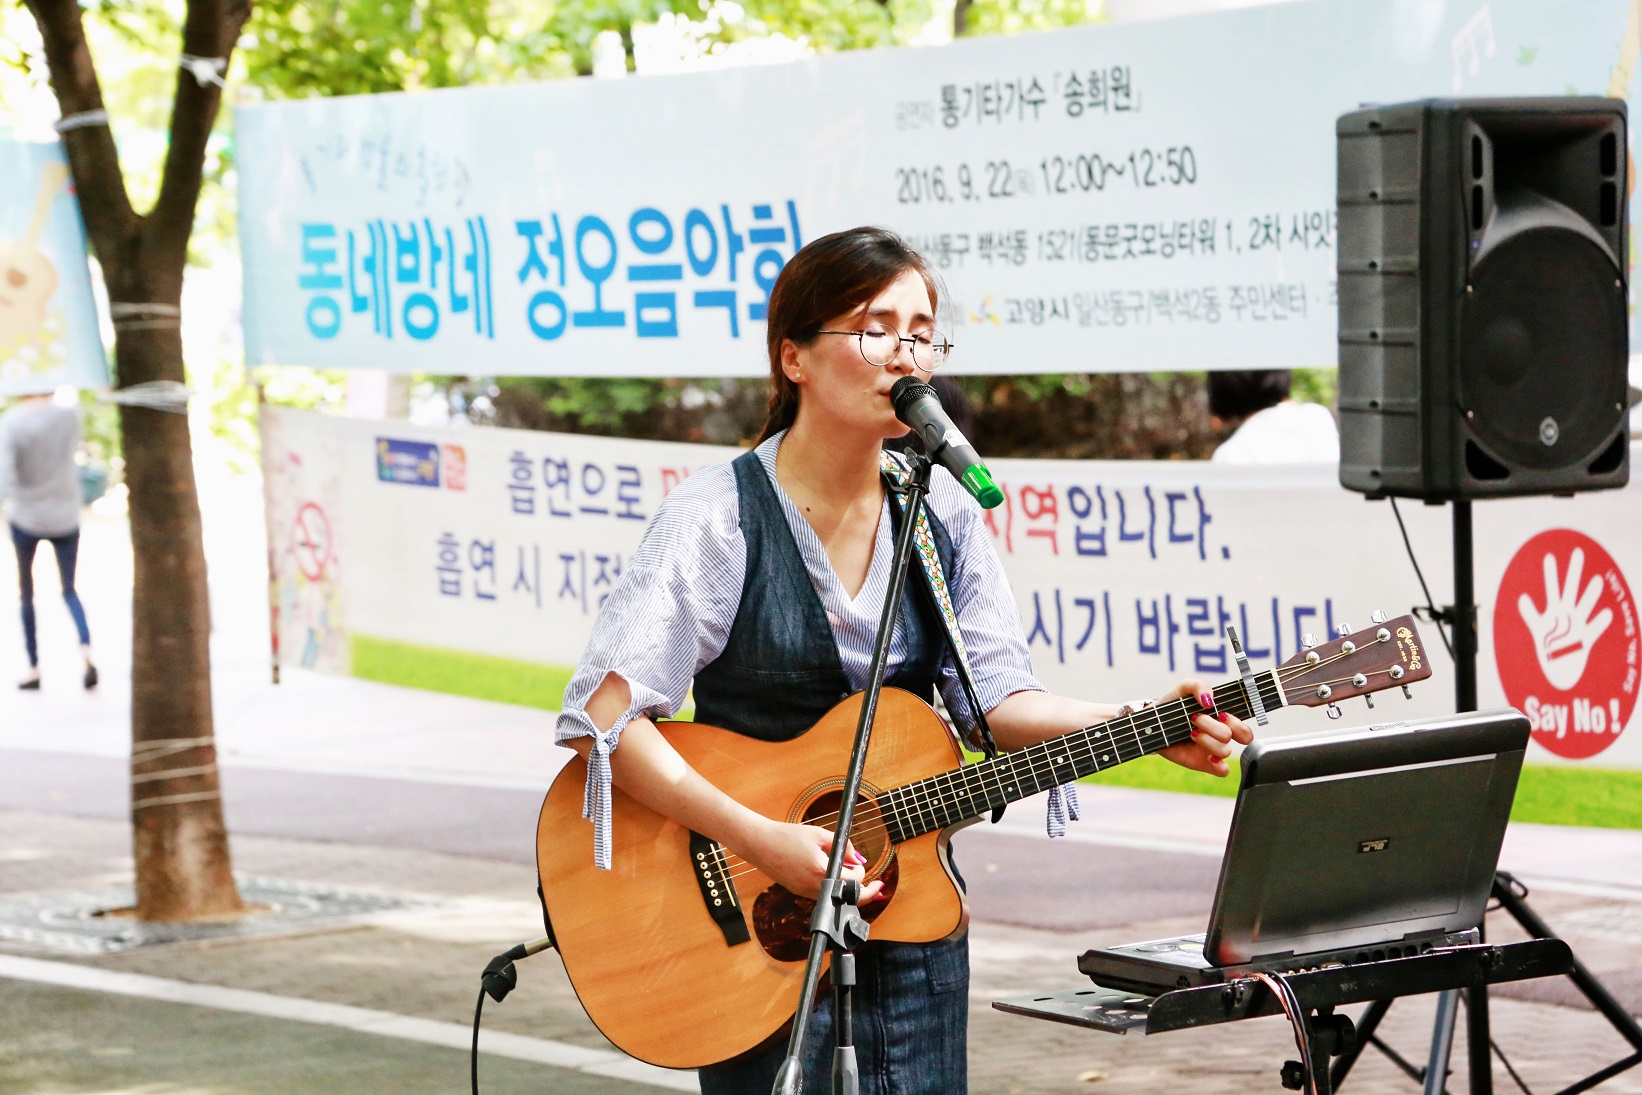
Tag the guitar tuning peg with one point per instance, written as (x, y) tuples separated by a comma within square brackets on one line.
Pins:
[(1308, 640), (1378, 616), (1407, 695), (1334, 711), (1342, 629), (1370, 701)]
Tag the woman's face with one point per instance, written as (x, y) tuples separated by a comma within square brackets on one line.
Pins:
[(838, 384)]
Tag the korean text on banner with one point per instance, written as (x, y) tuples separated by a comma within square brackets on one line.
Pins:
[(1109, 198), (1126, 573)]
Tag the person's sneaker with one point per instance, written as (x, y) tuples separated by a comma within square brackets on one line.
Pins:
[(91, 677), (32, 685)]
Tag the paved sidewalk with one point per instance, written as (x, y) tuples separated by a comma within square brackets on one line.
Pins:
[(276, 1015), (1038, 904)]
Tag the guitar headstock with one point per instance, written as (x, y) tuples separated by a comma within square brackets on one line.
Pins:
[(1383, 656)]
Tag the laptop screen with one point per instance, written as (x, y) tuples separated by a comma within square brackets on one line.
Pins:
[(1363, 837)]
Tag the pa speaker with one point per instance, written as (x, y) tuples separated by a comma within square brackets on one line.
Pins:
[(1482, 294)]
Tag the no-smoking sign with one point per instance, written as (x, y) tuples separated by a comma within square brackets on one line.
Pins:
[(311, 541), (1565, 641)]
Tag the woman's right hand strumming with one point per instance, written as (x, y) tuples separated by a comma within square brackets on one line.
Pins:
[(796, 857)]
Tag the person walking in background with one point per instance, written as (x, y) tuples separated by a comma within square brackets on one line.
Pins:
[(38, 440)]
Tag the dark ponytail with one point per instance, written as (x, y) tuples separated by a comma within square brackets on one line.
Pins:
[(828, 278)]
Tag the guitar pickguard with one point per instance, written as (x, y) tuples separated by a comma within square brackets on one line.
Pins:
[(781, 919)]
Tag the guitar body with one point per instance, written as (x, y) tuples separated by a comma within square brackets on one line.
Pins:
[(652, 967)]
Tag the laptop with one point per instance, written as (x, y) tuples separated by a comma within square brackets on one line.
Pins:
[(1346, 846)]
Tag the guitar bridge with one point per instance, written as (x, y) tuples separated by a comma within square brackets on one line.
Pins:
[(707, 863)]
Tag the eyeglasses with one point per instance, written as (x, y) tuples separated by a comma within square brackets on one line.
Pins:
[(880, 343)]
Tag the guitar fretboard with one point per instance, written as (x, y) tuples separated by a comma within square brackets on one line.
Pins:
[(974, 789)]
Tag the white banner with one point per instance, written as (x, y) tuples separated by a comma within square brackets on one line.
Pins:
[(505, 542), (1138, 197)]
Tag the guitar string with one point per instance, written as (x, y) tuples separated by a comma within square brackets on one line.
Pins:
[(972, 780), (975, 772), (1037, 769), (1040, 762), (1175, 713)]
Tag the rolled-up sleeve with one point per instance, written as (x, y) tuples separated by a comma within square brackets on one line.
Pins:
[(669, 615)]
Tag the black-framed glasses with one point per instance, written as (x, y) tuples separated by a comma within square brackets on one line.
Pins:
[(880, 343)]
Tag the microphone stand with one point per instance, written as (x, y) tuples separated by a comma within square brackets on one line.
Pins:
[(837, 925)]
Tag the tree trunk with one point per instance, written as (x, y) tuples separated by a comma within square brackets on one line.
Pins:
[(179, 841), (960, 17)]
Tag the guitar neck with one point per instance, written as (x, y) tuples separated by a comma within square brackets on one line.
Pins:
[(974, 789)]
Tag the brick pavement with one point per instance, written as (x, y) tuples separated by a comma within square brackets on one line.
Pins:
[(426, 964)]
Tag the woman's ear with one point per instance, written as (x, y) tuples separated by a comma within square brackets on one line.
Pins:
[(792, 365)]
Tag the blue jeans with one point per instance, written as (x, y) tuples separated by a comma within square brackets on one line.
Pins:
[(911, 1008), (67, 549)]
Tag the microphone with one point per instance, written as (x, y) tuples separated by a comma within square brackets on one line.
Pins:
[(920, 408)]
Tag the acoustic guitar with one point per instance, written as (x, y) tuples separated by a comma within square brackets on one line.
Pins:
[(27, 277), (684, 955)]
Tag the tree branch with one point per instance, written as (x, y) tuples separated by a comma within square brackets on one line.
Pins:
[(211, 29), (92, 157)]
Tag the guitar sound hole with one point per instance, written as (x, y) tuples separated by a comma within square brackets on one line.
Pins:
[(781, 919)]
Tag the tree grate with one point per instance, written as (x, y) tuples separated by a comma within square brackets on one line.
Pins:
[(76, 923)]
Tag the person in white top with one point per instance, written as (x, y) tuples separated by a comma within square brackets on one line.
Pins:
[(1272, 428), (38, 440), (699, 601)]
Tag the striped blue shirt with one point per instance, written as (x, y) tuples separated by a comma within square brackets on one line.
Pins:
[(671, 612)]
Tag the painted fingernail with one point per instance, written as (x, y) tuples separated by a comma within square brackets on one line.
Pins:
[(1207, 700), (1194, 731)]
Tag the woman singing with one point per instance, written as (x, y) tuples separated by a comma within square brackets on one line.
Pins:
[(761, 582)]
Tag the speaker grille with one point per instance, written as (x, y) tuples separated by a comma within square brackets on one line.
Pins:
[(1542, 335)]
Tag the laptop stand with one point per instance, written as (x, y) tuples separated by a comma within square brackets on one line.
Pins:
[(1319, 993)]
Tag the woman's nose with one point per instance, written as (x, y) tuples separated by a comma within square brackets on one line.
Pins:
[(903, 361)]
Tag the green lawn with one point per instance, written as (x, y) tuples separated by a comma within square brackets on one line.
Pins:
[(527, 684), (1600, 797), (504, 680)]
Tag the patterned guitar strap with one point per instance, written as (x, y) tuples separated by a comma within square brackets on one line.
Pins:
[(1063, 801)]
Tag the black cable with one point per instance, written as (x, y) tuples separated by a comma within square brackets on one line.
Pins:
[(1290, 1003), (1430, 605), (473, 1061)]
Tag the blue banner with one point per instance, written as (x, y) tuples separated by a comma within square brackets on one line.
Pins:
[(1147, 196), (48, 317)]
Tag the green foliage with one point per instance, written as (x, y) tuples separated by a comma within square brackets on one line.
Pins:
[(357, 47), (828, 25), (100, 427), (1314, 385), (1016, 16)]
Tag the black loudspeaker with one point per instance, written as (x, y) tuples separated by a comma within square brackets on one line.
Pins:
[(1482, 289)]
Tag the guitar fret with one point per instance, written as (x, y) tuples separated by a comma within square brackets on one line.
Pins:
[(972, 790)]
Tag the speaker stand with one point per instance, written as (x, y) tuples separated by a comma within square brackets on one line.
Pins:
[(1510, 894)]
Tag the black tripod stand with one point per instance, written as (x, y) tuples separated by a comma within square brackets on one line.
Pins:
[(837, 928), (1511, 895)]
